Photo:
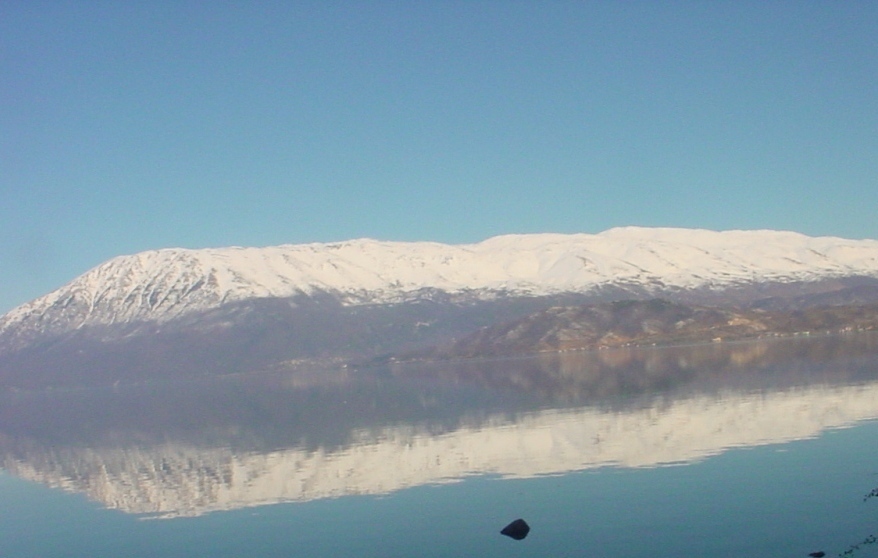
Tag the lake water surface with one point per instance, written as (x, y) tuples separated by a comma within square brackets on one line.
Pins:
[(764, 448)]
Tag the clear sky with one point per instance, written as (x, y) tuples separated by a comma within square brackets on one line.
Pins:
[(128, 125)]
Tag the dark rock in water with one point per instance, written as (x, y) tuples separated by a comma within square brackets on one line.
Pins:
[(817, 554), (517, 530)]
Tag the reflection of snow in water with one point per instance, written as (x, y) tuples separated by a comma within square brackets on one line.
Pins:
[(175, 479)]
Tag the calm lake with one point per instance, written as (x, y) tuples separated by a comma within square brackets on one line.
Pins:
[(763, 448)]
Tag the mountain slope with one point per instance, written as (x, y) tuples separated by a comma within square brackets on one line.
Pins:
[(644, 322)]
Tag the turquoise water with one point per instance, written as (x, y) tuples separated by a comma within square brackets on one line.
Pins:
[(416, 466)]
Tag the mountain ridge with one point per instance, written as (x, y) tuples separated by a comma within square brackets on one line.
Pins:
[(631, 323), (164, 284)]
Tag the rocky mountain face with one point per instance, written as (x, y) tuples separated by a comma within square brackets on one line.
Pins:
[(175, 312), (650, 322)]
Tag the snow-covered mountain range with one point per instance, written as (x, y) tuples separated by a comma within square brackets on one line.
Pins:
[(162, 289), (165, 284)]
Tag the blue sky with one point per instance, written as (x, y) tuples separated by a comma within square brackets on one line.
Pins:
[(127, 126)]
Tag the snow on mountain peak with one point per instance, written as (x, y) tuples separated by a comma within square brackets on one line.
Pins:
[(159, 285)]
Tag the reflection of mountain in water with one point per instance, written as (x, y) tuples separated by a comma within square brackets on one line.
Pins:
[(191, 449)]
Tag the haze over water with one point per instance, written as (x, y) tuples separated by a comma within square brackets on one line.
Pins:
[(757, 449)]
